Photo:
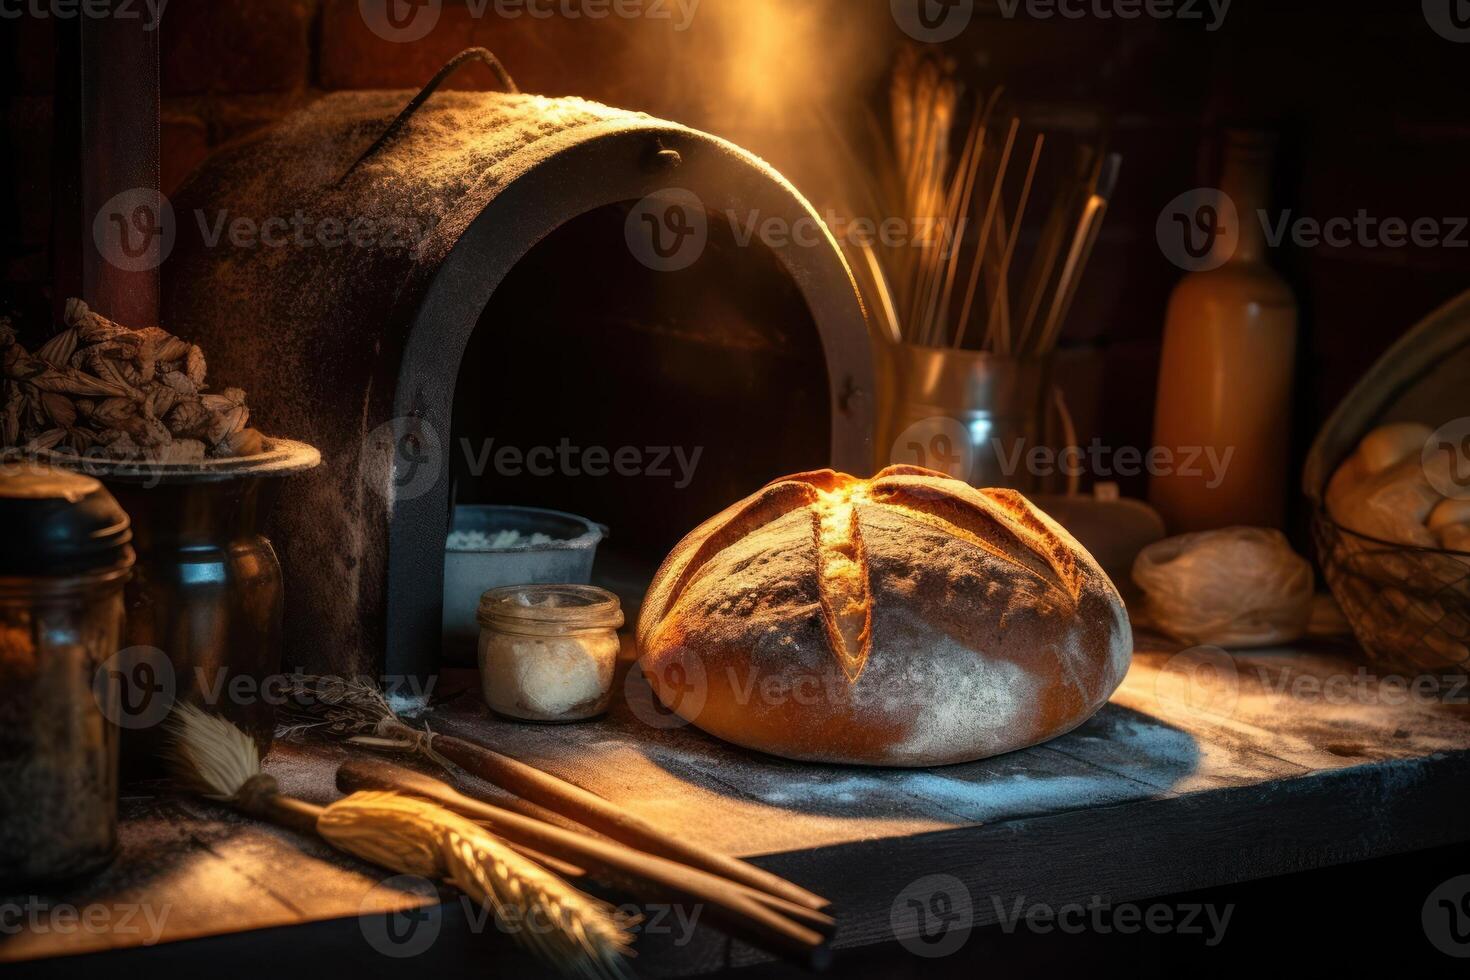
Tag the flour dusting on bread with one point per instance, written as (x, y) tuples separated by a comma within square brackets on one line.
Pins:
[(906, 620)]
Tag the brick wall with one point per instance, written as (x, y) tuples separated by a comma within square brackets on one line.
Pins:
[(1369, 104), (229, 68)]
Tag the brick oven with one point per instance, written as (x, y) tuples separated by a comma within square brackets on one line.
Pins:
[(501, 289)]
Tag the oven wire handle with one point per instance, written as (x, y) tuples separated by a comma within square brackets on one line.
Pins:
[(481, 55)]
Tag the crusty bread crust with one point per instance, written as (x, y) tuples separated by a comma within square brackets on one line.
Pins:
[(906, 620)]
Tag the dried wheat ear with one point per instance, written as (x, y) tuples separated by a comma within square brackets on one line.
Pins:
[(101, 389)]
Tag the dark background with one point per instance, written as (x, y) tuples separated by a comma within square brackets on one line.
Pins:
[(1370, 105), (1367, 99), (1350, 921)]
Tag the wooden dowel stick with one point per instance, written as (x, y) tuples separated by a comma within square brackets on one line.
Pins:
[(984, 238), (596, 813), (1003, 275), (1082, 245), (286, 811), (1049, 249), (885, 298), (960, 216), (743, 912)]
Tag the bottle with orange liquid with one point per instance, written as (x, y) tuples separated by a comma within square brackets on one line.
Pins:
[(1224, 398)]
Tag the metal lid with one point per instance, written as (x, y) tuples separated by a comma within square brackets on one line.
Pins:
[(550, 609), (59, 523)]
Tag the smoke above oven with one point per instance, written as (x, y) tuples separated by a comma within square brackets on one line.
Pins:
[(762, 73)]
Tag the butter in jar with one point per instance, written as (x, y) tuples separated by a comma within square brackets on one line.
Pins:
[(548, 652)]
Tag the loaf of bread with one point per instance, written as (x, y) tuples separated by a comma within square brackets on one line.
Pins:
[(906, 620), (1390, 490)]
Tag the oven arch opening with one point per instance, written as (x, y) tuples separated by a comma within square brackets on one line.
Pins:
[(643, 398), (803, 279)]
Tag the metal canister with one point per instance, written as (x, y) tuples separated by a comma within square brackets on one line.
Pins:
[(975, 415), (65, 554)]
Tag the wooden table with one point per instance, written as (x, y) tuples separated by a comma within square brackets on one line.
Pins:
[(1206, 769)]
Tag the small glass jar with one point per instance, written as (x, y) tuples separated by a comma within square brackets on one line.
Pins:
[(548, 652), (63, 562)]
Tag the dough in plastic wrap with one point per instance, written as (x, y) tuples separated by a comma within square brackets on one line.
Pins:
[(1237, 587)]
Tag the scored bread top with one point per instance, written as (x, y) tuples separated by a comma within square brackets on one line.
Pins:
[(999, 523)]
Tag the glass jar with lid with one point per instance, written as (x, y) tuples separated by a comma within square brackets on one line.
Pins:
[(548, 652), (65, 559)]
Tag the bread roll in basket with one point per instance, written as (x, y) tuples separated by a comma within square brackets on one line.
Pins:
[(906, 620)]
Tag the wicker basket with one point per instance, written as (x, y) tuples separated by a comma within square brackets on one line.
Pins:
[(1408, 606)]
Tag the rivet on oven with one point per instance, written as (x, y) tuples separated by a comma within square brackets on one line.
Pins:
[(664, 158)]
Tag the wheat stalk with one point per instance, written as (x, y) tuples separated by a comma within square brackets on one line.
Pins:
[(356, 709), (927, 296), (410, 836), (340, 705), (564, 927)]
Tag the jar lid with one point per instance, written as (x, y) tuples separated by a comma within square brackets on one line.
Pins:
[(550, 608), (59, 523)]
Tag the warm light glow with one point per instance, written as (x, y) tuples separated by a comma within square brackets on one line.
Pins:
[(768, 67)]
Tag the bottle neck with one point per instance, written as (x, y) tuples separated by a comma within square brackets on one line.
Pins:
[(1246, 180)]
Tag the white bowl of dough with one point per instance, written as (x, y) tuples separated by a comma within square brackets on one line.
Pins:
[(491, 546)]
